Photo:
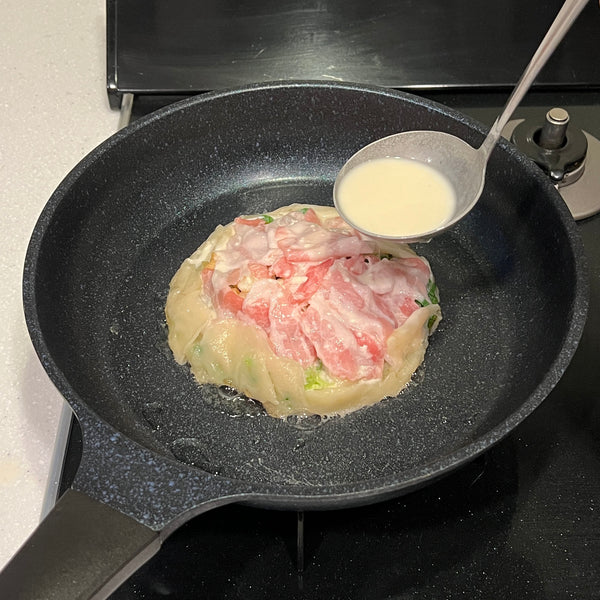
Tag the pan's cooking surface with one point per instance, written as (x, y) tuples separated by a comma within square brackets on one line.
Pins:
[(508, 283)]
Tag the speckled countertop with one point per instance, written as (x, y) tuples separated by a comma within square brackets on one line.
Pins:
[(54, 111)]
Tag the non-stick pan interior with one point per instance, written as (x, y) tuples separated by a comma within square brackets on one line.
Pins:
[(117, 229)]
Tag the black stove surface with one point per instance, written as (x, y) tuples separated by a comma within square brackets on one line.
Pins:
[(502, 527), (185, 46), (521, 521)]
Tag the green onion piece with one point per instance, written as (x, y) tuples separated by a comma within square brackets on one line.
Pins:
[(431, 321), (315, 378), (432, 295), (432, 292)]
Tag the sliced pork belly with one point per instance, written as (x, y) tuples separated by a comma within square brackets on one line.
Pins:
[(309, 315)]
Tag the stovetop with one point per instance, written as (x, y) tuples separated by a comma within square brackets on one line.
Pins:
[(523, 520)]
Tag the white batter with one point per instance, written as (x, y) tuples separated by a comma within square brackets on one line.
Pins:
[(396, 197)]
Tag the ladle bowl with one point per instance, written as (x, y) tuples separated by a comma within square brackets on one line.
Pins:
[(461, 164)]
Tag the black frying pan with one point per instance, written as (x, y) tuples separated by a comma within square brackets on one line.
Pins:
[(157, 448)]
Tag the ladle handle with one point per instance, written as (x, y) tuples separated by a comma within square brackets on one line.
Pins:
[(562, 23)]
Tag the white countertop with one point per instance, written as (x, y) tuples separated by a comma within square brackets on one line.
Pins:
[(54, 111)]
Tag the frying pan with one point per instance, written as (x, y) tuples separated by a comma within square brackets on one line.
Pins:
[(159, 449)]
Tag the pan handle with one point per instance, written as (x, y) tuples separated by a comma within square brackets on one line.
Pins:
[(83, 536)]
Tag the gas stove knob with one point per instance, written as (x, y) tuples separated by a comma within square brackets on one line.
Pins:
[(553, 133), (556, 147)]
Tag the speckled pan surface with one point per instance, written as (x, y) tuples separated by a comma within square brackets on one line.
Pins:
[(511, 276)]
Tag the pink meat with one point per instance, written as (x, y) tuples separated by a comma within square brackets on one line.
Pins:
[(318, 290)]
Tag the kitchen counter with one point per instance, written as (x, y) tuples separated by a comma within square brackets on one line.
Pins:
[(54, 111)]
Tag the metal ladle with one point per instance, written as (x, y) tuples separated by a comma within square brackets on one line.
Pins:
[(463, 165)]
